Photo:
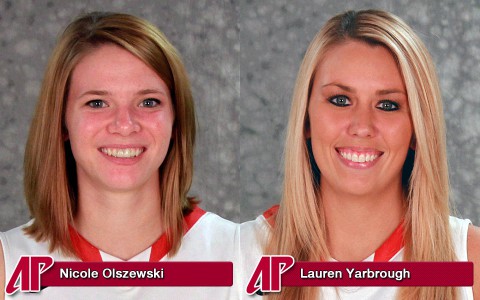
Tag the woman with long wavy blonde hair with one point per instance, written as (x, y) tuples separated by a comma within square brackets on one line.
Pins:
[(365, 162), (109, 161)]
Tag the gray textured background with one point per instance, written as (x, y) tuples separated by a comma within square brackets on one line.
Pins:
[(242, 57)]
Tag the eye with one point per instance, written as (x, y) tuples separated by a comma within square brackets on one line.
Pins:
[(388, 105), (97, 103), (150, 102), (339, 100)]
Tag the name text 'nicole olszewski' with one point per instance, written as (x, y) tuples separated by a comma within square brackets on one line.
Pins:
[(109, 273)]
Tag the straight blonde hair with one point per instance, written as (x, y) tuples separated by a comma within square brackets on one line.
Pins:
[(50, 177), (426, 228)]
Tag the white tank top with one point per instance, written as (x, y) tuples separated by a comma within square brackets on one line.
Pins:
[(200, 243), (254, 234)]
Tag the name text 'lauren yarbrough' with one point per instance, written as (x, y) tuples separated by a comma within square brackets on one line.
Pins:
[(352, 273)]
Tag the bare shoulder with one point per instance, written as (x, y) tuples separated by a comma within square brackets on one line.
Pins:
[(2, 273), (473, 249)]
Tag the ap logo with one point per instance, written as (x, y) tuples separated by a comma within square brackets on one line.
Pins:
[(26, 276), (267, 277)]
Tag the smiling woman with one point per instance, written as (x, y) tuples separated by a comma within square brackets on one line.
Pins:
[(365, 163), (360, 126), (109, 161), (119, 119)]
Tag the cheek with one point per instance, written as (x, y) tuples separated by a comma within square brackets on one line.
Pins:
[(399, 132), (158, 127), (81, 126), (161, 123), (325, 126)]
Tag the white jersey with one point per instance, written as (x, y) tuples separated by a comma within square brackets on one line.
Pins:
[(209, 238), (254, 234)]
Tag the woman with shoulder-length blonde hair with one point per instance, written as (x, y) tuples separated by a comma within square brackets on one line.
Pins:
[(366, 174), (109, 160)]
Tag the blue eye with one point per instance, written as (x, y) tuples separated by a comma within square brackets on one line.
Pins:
[(339, 100), (150, 102), (97, 103), (388, 105)]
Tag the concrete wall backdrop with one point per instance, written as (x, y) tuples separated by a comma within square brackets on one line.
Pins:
[(242, 58)]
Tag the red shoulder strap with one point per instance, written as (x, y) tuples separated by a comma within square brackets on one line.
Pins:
[(271, 214)]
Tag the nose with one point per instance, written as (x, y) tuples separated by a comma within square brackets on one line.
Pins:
[(362, 123), (124, 122)]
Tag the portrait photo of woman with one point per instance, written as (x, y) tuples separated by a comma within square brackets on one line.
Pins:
[(365, 176), (109, 161)]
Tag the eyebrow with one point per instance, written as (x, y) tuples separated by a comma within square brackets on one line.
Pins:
[(105, 93), (379, 92)]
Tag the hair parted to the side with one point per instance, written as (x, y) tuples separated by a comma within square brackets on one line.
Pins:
[(50, 180), (426, 227)]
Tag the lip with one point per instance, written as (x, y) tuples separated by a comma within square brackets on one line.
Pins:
[(122, 160), (359, 151)]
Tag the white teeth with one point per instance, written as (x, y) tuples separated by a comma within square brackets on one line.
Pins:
[(359, 157), (123, 153)]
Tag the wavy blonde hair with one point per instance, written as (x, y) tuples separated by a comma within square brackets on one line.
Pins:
[(426, 228), (50, 173)]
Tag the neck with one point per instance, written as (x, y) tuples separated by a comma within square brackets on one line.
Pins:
[(358, 224), (122, 224)]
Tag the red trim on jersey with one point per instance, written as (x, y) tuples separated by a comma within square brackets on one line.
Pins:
[(161, 247), (85, 251), (384, 253), (391, 246), (271, 214), (89, 253)]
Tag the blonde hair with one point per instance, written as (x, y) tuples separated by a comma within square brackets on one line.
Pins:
[(50, 173), (426, 227)]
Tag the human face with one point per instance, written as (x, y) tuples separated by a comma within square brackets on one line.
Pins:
[(119, 118), (360, 124)]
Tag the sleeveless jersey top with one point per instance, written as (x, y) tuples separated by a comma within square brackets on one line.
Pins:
[(208, 238), (254, 234)]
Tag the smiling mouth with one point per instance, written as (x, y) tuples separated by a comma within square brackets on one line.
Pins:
[(123, 153), (359, 156)]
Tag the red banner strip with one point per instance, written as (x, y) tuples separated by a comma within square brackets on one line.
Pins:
[(138, 274), (379, 274)]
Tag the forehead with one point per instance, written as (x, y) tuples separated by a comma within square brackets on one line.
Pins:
[(111, 66), (94, 59), (358, 62)]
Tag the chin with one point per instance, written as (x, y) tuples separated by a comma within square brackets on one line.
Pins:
[(358, 189), (123, 183)]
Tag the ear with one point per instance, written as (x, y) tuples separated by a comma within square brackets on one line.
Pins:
[(313, 163), (308, 134), (65, 135), (413, 143)]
